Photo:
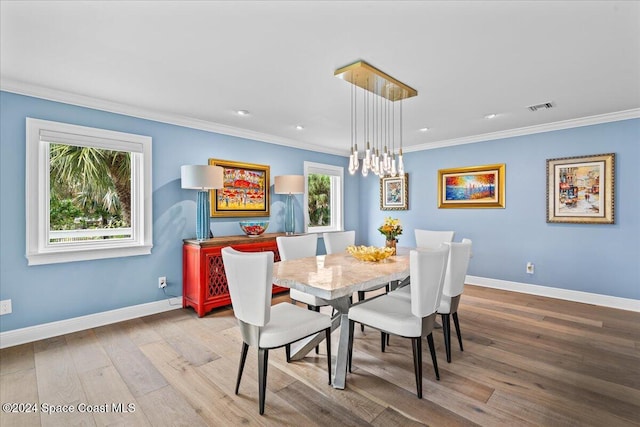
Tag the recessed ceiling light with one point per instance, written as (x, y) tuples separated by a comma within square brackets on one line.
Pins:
[(242, 112), (299, 127), (490, 116), (423, 129)]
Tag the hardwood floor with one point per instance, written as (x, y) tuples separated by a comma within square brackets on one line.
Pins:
[(528, 360)]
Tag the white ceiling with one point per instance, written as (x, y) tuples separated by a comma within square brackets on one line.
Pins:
[(198, 62)]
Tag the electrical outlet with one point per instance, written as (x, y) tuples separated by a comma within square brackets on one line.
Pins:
[(5, 307), (530, 268), (162, 282)]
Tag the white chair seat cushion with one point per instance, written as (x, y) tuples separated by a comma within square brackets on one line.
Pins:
[(306, 298), (290, 323), (403, 293), (445, 305), (389, 314)]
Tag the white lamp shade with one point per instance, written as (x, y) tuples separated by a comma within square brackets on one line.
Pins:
[(289, 184), (201, 177)]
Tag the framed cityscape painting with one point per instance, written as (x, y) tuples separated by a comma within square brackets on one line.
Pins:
[(581, 189), (472, 187), (394, 193), (245, 191)]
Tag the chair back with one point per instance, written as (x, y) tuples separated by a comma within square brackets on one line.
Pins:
[(459, 255), (337, 242), (432, 239), (428, 267), (294, 247), (249, 277)]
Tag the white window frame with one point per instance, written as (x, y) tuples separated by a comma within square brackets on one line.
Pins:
[(38, 249), (337, 196)]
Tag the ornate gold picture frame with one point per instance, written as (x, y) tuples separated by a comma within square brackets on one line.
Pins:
[(581, 189), (472, 187), (394, 193), (245, 192)]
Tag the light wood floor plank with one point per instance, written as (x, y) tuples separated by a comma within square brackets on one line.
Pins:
[(528, 361)]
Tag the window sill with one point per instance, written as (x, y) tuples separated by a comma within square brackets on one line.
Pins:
[(86, 255)]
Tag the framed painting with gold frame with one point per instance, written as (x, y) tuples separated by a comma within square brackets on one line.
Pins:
[(472, 187), (394, 193), (581, 189), (245, 192)]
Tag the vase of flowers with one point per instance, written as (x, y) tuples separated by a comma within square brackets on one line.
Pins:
[(391, 229)]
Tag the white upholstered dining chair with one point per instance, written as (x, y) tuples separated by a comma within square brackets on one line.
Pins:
[(337, 241), (413, 318), (294, 247), (249, 277), (432, 238), (457, 266)]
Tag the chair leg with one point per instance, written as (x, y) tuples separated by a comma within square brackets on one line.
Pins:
[(416, 345), (350, 348), (327, 333), (455, 322), (243, 358), (263, 359), (287, 351), (446, 331), (383, 341), (317, 310), (432, 349), (361, 298)]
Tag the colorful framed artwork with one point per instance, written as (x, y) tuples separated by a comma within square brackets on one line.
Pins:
[(245, 192), (394, 193), (581, 189), (472, 187)]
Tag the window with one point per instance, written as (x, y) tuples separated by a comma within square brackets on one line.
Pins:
[(323, 197), (88, 193)]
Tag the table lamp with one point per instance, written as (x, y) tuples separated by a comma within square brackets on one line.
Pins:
[(203, 178), (289, 185)]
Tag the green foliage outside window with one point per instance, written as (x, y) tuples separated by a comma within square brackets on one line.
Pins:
[(319, 198)]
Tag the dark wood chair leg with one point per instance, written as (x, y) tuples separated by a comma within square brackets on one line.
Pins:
[(361, 298), (455, 322), (432, 349), (416, 345), (263, 360), (287, 351), (327, 333), (243, 358), (383, 341), (317, 310), (446, 331), (350, 349)]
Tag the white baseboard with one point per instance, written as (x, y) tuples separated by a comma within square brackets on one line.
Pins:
[(565, 294), (48, 330), (67, 326)]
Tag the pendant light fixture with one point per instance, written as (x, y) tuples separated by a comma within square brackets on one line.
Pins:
[(379, 135)]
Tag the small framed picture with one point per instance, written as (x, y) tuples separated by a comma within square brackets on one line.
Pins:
[(581, 189), (394, 193), (472, 187)]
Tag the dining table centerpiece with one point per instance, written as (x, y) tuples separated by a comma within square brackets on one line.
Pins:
[(391, 229)]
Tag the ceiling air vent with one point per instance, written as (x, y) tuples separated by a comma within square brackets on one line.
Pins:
[(544, 106)]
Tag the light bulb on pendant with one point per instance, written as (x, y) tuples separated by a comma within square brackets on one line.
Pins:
[(352, 163), (356, 162), (394, 171), (400, 164), (367, 157)]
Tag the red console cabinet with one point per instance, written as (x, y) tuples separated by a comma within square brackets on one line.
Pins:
[(204, 283)]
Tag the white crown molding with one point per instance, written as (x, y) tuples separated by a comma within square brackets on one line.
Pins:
[(21, 88), (67, 326), (565, 294), (529, 130)]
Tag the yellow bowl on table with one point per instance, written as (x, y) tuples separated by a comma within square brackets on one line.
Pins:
[(370, 253)]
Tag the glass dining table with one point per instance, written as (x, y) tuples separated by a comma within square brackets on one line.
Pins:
[(335, 278)]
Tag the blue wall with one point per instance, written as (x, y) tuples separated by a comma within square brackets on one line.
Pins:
[(47, 293), (601, 259)]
